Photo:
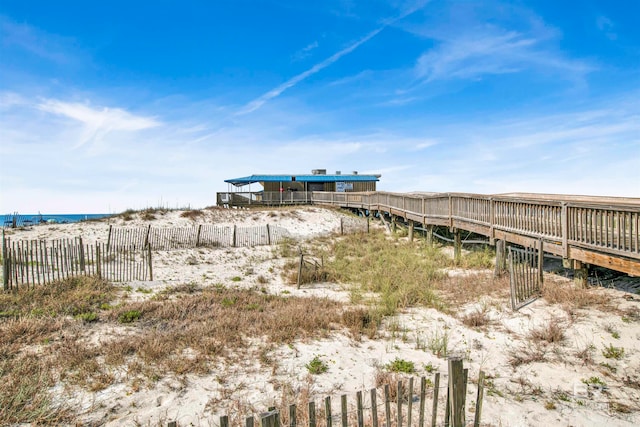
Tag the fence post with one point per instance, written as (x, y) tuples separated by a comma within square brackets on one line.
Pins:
[(198, 236), (224, 421), (410, 403), (81, 254), (109, 237), (399, 401), (423, 392), (300, 265), (540, 262), (150, 264), (268, 235), (359, 409), (327, 410), (387, 405), (478, 414), (501, 258), (98, 261), (5, 264), (341, 227), (233, 239), (146, 238), (374, 408), (343, 407), (457, 247), (456, 391), (292, 416), (564, 223), (436, 390), (312, 414)]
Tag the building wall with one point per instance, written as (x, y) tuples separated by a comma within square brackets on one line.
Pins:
[(327, 186)]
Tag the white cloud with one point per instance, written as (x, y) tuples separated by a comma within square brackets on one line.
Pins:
[(98, 122), (488, 50)]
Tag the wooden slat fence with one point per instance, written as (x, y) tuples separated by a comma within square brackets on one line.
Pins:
[(38, 262), (409, 402), (175, 238), (525, 275)]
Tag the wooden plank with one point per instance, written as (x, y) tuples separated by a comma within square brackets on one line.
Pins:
[(436, 390), (479, 398), (374, 408), (359, 409)]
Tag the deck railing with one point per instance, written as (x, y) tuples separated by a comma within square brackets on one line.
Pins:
[(599, 230)]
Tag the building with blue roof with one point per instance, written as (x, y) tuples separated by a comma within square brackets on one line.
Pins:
[(293, 188)]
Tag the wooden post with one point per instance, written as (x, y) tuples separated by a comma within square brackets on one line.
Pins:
[(368, 221), (300, 265), (224, 421), (109, 237), (399, 403), (146, 238), (98, 261), (341, 227), (478, 414), (343, 407), (293, 422), (436, 390), (501, 258), (580, 273), (6, 271), (312, 414), (198, 235), (327, 410), (81, 254), (150, 263), (410, 403), (374, 408), (268, 235), (423, 392), (456, 391), (387, 405), (411, 226), (248, 422), (540, 262), (394, 226), (359, 409), (172, 424), (429, 229), (233, 239), (457, 247), (564, 223)]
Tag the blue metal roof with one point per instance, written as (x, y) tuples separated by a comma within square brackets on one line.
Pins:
[(301, 178)]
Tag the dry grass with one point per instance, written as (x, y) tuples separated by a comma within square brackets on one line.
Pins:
[(551, 332), (183, 330), (465, 289), (192, 214), (572, 297), (476, 319)]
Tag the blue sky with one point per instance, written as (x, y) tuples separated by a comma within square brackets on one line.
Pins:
[(112, 105)]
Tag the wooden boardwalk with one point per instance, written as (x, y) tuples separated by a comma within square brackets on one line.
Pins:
[(602, 231)]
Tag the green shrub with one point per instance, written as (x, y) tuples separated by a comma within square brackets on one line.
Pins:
[(129, 316), (316, 366), (401, 365), (612, 352)]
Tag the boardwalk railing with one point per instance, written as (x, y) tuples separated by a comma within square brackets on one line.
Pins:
[(404, 403), (603, 231), (35, 262)]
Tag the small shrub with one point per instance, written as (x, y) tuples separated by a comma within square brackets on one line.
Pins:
[(476, 319), (87, 317), (438, 343), (612, 352), (594, 381), (552, 332), (129, 316), (192, 214), (401, 365), (316, 366), (236, 279)]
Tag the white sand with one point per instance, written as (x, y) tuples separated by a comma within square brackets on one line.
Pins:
[(514, 398)]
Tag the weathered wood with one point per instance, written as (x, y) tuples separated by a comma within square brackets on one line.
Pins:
[(436, 390), (480, 396), (457, 247), (359, 409), (344, 410), (423, 393), (374, 408), (249, 422), (327, 411), (411, 227), (387, 405), (399, 404), (224, 421), (410, 402), (312, 414), (456, 392)]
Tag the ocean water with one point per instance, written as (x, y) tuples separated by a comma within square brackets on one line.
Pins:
[(22, 220)]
